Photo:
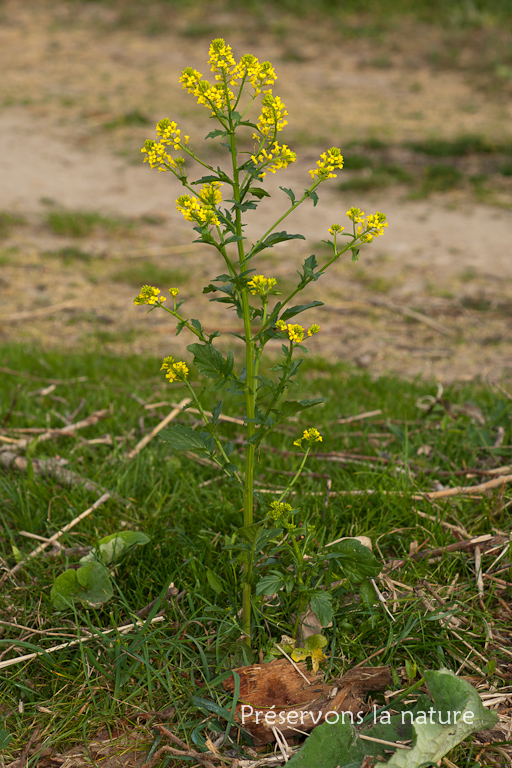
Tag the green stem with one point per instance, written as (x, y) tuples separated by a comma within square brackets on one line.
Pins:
[(249, 389), (296, 477)]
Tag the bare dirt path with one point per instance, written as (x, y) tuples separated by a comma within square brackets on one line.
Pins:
[(431, 297)]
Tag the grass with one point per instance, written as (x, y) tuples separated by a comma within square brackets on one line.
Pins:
[(149, 274), (8, 221), (190, 516), (70, 254), (83, 223)]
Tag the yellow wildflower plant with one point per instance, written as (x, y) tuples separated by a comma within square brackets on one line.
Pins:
[(328, 163), (261, 285), (149, 295), (310, 436), (175, 371), (236, 87)]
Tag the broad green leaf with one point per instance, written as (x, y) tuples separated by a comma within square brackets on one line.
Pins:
[(273, 239), (215, 582), (354, 559), (110, 548), (436, 728), (183, 438), (5, 739), (315, 642), (291, 407), (90, 583), (321, 604), (258, 192), (269, 584), (210, 362), (292, 311), (250, 532)]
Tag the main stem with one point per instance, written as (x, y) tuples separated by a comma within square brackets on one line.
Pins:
[(250, 395)]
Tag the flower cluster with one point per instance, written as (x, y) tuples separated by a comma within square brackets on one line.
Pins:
[(174, 292), (202, 210), (216, 97), (261, 285), (296, 332), (310, 436), (279, 509), (272, 116), (373, 227), (176, 371), (336, 229), (257, 73), (328, 163), (149, 295), (278, 156), (156, 153)]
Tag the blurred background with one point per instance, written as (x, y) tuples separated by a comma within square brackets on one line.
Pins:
[(417, 94)]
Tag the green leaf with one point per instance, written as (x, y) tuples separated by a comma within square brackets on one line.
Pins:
[(354, 559), (214, 581), (321, 604), (273, 239), (337, 745), (292, 311), (291, 407), (258, 192), (290, 193), (269, 584), (5, 739), (183, 438), (214, 134), (216, 412), (250, 532), (90, 583), (110, 548), (210, 362), (315, 642)]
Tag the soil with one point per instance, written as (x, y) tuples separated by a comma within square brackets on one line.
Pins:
[(83, 86)]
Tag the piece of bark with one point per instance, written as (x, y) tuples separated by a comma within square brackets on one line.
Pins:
[(298, 706)]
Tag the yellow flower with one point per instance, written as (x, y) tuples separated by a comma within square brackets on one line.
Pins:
[(149, 295), (314, 329), (272, 115), (336, 229), (281, 325), (279, 156), (279, 509), (250, 69), (221, 59), (261, 285), (356, 215), (215, 96), (310, 435), (176, 371), (295, 333), (201, 211), (174, 292), (329, 162)]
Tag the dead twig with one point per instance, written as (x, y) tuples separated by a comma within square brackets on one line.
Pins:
[(77, 641), (70, 429), (145, 440), (56, 536)]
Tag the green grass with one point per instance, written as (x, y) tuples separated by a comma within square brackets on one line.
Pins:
[(188, 511), (8, 221), (70, 254), (132, 119), (83, 223), (149, 274)]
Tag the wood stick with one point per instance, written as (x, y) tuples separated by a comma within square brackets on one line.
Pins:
[(147, 438), (359, 417), (51, 433), (30, 656), (56, 536), (465, 490)]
